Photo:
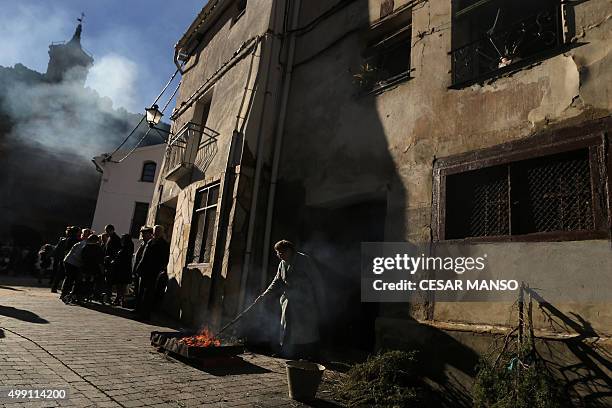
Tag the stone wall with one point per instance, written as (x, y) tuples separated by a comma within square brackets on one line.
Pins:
[(371, 144), (240, 86)]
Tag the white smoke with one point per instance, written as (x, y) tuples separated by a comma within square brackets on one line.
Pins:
[(114, 76), (64, 118)]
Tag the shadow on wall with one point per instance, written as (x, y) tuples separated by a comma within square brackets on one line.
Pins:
[(189, 300), (585, 366), (339, 185)]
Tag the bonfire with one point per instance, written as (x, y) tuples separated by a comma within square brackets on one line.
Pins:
[(204, 338)]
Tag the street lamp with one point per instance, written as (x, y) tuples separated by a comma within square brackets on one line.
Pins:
[(153, 115)]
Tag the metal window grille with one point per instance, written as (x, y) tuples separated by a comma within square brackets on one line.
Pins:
[(545, 194), (554, 194), (203, 224), (493, 36), (387, 61), (477, 203)]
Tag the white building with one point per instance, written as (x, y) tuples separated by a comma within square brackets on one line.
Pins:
[(126, 189)]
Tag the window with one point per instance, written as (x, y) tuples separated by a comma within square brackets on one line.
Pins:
[(148, 172), (139, 218), (490, 37), (558, 195), (240, 10), (203, 224), (387, 55)]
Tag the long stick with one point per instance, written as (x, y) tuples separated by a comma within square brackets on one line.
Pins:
[(239, 316)]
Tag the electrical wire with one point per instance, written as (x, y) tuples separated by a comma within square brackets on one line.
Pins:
[(166, 87), (136, 146), (171, 96), (109, 158), (236, 56)]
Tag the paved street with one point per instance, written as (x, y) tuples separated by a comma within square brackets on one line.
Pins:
[(105, 360)]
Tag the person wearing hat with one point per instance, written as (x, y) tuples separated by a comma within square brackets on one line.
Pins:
[(146, 233), (150, 269)]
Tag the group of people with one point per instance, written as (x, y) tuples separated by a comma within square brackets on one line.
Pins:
[(89, 267)]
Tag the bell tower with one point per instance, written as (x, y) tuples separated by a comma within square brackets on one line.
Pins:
[(67, 60)]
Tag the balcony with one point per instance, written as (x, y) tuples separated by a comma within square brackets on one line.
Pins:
[(520, 44), (185, 147)]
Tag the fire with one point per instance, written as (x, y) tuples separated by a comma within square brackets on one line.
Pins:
[(203, 339)]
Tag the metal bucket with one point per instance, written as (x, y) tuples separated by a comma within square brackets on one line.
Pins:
[(303, 378)]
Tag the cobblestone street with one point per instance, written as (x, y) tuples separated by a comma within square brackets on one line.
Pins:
[(105, 360)]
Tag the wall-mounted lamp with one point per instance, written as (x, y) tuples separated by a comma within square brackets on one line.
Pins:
[(154, 115)]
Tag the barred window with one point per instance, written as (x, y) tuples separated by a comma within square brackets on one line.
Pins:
[(203, 224), (560, 195), (387, 53), (490, 35)]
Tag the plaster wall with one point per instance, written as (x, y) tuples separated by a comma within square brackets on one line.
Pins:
[(235, 87), (388, 142), (121, 187)]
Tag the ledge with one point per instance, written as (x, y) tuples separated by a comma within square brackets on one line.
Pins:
[(498, 330)]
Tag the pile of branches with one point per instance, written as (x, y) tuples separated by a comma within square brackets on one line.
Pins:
[(517, 380), (517, 376), (385, 380)]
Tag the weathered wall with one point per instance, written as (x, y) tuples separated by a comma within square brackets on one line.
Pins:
[(237, 91), (367, 144)]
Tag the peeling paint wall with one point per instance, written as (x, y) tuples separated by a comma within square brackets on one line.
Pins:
[(341, 146)]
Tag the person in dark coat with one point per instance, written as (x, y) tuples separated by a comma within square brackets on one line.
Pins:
[(146, 233), (151, 266), (45, 255), (61, 250), (111, 249), (92, 266), (122, 268)]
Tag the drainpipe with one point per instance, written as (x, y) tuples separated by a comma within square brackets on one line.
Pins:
[(256, 183), (278, 145)]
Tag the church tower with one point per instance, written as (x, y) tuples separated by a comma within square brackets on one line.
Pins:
[(68, 61)]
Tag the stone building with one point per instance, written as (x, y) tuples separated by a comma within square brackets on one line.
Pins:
[(474, 122), (221, 137)]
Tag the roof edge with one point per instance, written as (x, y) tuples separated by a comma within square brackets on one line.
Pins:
[(198, 24)]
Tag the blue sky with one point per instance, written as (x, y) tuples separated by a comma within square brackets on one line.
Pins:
[(132, 41)]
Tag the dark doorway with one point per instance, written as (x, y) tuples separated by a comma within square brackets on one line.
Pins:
[(334, 236), (165, 216)]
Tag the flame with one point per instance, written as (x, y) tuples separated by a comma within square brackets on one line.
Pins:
[(203, 339)]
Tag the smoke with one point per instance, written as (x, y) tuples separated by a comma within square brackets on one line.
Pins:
[(63, 118), (114, 76)]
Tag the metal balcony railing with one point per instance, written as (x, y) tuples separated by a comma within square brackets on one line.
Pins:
[(185, 147), (522, 42)]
